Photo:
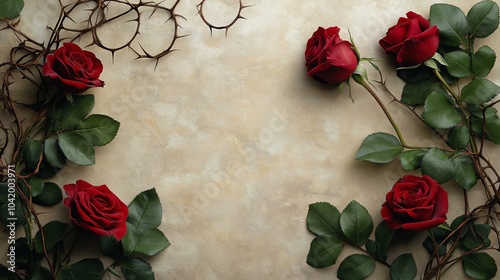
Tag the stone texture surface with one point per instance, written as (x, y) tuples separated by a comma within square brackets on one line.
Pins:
[(238, 141)]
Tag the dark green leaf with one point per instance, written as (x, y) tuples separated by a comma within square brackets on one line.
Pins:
[(412, 159), (437, 165), (492, 126), (324, 218), (151, 242), (23, 251), (17, 212), (11, 8), (483, 19), (86, 269), (356, 267), (477, 235), (439, 112), (456, 223), (67, 114), (458, 137), (414, 75), (451, 22), (479, 91), (137, 269), (46, 170), (53, 153), (53, 232), (41, 273), (77, 148), (383, 238), (459, 63), (32, 152), (110, 246), (439, 233), (416, 93), (356, 223), (483, 61), (479, 266), (379, 147), (371, 248), (493, 131), (98, 129), (432, 246), (130, 240), (145, 211), (324, 250), (465, 173), (35, 185), (404, 268), (51, 195)]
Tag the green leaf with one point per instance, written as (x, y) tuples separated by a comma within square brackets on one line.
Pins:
[(136, 269), (479, 266), (32, 152), (324, 251), (416, 93), (493, 131), (492, 126), (109, 246), (67, 114), (54, 232), (50, 195), (431, 247), (53, 153), (98, 129), (404, 268), (465, 173), (77, 148), (439, 112), (459, 63), (130, 240), (324, 218), (383, 238), (151, 242), (356, 223), (479, 91), (483, 19), (379, 147), (458, 137), (476, 236), (88, 269), (412, 159), (145, 211), (356, 266), (451, 22), (437, 165), (11, 8), (483, 61), (6, 212), (41, 273), (35, 185), (371, 248)]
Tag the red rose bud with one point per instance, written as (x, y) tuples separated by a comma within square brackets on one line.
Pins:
[(329, 59), (73, 69), (96, 209), (415, 203), (413, 40)]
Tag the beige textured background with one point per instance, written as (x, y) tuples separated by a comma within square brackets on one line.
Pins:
[(238, 141)]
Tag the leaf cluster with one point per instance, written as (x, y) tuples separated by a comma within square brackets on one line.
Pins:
[(353, 227)]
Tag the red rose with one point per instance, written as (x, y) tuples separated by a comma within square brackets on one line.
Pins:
[(329, 59), (96, 209), (415, 203), (413, 40), (73, 69)]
